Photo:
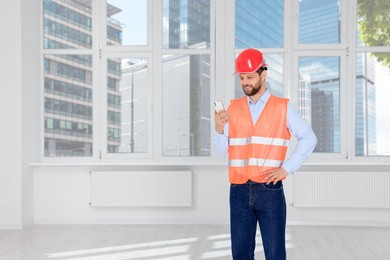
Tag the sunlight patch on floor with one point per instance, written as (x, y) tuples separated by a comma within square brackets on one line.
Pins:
[(148, 247), (219, 246)]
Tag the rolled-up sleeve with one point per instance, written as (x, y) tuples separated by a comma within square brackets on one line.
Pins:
[(221, 141), (307, 140)]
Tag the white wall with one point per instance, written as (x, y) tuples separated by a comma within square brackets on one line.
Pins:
[(31, 107), (10, 114), (19, 110), (61, 194)]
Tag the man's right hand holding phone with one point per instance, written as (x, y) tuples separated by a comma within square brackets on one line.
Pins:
[(221, 118)]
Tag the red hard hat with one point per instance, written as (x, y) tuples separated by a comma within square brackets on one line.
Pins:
[(249, 61)]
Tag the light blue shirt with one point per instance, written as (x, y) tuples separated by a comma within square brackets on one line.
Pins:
[(296, 125)]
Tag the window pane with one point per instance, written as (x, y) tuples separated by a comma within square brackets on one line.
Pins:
[(373, 23), (186, 105), (67, 24), (127, 105), (259, 24), (372, 127), (68, 105), (320, 76), (274, 81), (127, 22), (319, 21), (186, 24)]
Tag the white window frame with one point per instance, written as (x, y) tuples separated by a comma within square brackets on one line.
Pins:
[(214, 158), (354, 49), (222, 54), (323, 50), (343, 154), (94, 52), (103, 153)]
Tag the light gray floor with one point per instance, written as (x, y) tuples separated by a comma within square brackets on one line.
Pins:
[(182, 242)]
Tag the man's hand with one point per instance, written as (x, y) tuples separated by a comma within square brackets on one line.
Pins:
[(221, 118), (275, 175)]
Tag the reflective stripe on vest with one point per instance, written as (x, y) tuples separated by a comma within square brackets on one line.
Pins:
[(259, 140), (255, 162)]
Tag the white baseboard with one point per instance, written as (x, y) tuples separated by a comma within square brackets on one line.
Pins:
[(18, 226), (200, 222), (131, 222), (28, 224), (11, 227), (342, 223)]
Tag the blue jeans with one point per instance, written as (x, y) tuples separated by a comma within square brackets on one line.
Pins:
[(257, 203)]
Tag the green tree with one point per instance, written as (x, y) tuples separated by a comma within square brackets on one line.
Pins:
[(374, 26)]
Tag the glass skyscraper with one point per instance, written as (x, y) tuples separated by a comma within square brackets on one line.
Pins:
[(365, 125), (186, 23), (260, 24), (186, 80), (325, 84)]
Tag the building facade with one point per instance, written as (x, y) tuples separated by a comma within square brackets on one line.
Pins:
[(68, 84)]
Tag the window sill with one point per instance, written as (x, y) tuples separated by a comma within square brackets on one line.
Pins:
[(310, 165), (187, 162)]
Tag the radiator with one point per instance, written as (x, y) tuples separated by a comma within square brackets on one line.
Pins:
[(341, 189), (141, 189)]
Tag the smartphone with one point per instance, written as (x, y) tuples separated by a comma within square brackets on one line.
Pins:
[(218, 105)]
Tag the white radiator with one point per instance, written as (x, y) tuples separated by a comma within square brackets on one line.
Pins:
[(341, 189), (141, 189)]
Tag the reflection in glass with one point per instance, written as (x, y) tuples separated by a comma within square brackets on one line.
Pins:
[(372, 128), (259, 24), (319, 21), (127, 105), (319, 79), (274, 81), (127, 22), (68, 105), (67, 24), (186, 24), (186, 105)]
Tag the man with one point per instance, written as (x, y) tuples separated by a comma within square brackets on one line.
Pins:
[(255, 131)]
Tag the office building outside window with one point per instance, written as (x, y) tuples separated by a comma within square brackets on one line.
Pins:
[(186, 78), (187, 69), (67, 79), (260, 25)]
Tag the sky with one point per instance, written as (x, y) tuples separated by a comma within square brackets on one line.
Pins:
[(134, 16)]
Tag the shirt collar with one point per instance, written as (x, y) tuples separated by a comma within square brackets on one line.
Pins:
[(264, 98)]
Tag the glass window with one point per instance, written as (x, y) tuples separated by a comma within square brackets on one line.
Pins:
[(127, 22), (319, 21), (274, 81), (127, 105), (373, 24), (259, 24), (320, 76), (186, 105), (372, 127), (67, 24), (186, 24), (68, 102)]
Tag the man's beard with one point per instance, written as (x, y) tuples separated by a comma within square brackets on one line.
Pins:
[(252, 91)]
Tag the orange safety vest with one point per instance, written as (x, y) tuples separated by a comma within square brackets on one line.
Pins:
[(254, 149)]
